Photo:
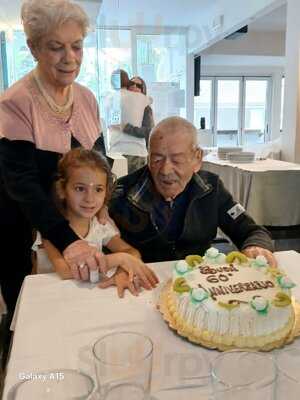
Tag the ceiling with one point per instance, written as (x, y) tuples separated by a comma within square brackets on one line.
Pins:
[(10, 11), (126, 12), (175, 13), (273, 22), (147, 13)]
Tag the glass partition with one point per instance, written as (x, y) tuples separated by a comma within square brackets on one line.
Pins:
[(228, 110), (255, 111), (161, 62)]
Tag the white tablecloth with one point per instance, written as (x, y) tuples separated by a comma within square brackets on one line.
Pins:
[(58, 321), (268, 189)]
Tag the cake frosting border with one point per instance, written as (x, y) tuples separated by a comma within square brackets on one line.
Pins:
[(289, 332)]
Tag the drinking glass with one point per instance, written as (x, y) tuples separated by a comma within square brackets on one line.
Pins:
[(242, 375), (64, 384), (288, 380), (123, 366)]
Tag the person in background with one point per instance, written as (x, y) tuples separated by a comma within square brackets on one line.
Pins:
[(171, 208), (138, 85), (112, 100), (119, 79), (83, 186), (42, 116), (126, 108)]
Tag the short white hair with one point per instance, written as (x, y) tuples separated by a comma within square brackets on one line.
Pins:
[(41, 17), (175, 124)]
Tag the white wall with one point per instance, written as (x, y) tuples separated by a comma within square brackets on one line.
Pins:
[(1, 74), (252, 43), (236, 13), (250, 66), (291, 120)]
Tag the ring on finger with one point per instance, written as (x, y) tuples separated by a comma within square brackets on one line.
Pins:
[(136, 281), (81, 266)]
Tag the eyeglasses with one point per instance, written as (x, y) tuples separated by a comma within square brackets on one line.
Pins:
[(138, 85)]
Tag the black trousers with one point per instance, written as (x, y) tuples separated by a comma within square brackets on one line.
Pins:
[(15, 249), (15, 262)]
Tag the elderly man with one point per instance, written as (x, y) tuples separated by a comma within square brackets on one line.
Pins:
[(172, 208)]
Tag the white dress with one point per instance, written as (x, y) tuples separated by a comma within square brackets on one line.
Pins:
[(99, 235)]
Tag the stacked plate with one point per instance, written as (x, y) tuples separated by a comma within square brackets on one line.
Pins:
[(223, 151), (241, 157)]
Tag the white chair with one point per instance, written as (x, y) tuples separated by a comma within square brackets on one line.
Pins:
[(205, 138), (120, 167)]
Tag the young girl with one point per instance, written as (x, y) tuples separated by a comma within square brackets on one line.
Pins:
[(83, 187)]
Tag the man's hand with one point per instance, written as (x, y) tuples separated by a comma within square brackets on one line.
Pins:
[(81, 258), (104, 218), (254, 251), (122, 281)]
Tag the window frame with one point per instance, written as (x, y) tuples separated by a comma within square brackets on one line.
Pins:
[(242, 103)]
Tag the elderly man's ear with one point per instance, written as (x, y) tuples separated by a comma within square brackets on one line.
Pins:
[(198, 160)]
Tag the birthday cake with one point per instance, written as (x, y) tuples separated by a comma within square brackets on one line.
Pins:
[(230, 301)]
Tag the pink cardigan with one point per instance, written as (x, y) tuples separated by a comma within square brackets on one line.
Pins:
[(24, 115)]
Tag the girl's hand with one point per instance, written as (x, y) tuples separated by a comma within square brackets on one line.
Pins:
[(121, 280), (137, 269)]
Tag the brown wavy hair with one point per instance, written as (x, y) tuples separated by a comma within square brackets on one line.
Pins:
[(76, 158)]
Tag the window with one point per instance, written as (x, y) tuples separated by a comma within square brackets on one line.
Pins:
[(234, 110), (20, 61), (227, 111), (161, 62), (160, 59), (114, 52), (203, 105), (282, 103), (255, 111), (19, 58), (88, 72)]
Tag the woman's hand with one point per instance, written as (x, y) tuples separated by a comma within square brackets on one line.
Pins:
[(134, 267), (81, 258)]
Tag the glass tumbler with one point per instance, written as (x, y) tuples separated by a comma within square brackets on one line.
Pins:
[(64, 384), (242, 375), (123, 363)]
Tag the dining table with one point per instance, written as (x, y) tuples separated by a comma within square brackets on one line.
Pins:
[(268, 189), (57, 321)]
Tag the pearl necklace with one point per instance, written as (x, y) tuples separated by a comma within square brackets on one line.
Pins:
[(58, 109)]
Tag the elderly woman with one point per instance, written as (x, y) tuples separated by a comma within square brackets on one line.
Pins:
[(42, 116)]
